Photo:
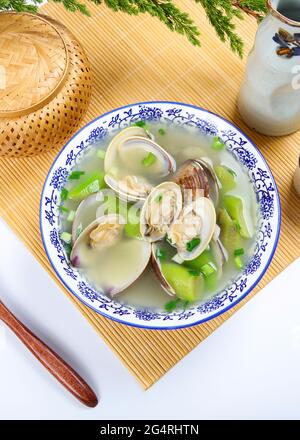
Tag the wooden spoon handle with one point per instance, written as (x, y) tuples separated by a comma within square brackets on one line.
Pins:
[(52, 361)]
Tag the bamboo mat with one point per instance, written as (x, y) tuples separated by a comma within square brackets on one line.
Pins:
[(139, 59)]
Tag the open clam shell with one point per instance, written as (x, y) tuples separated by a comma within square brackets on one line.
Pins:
[(101, 249), (117, 141), (213, 182), (128, 150), (160, 210), (196, 224), (86, 213), (197, 179), (193, 180), (94, 206), (156, 265)]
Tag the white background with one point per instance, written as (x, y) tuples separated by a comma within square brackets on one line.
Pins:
[(247, 369)]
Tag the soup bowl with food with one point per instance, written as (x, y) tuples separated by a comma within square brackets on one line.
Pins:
[(160, 215)]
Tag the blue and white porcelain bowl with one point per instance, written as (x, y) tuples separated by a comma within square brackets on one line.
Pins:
[(176, 113)]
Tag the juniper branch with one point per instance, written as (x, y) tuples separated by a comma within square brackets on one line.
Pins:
[(220, 13)]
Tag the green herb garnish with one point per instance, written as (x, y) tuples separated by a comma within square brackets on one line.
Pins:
[(195, 272), (140, 124), (192, 244), (101, 154), (71, 216), (158, 198), (237, 225), (63, 208), (171, 305), (161, 254), (208, 269), (64, 194), (217, 144), (239, 252), (239, 262), (75, 175), (161, 131), (149, 160), (66, 237)]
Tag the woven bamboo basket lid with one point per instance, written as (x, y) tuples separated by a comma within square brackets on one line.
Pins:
[(45, 84)]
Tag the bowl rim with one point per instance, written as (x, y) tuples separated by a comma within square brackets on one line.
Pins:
[(205, 319)]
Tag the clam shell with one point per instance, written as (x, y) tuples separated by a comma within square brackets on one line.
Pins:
[(86, 213), (121, 144), (191, 176), (213, 182), (113, 184), (205, 209), (158, 272), (198, 176), (158, 191), (133, 274), (113, 147)]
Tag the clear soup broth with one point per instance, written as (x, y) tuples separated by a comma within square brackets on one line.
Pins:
[(182, 143)]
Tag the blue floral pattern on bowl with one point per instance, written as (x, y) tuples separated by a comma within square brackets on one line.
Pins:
[(172, 113)]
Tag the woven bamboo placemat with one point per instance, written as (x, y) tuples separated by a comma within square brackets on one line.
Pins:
[(137, 59)]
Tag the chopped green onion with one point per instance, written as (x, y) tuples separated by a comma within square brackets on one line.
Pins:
[(71, 216), (195, 272), (75, 175), (217, 144), (161, 254), (238, 262), (171, 305), (66, 237), (237, 225), (239, 252), (208, 269), (63, 208), (149, 160), (158, 198), (161, 131), (101, 154), (64, 194), (140, 124), (192, 244)]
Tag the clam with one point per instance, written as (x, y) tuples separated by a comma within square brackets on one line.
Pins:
[(101, 250), (213, 182), (160, 210), (142, 158), (86, 213), (156, 266), (193, 230), (197, 179), (130, 188), (95, 206)]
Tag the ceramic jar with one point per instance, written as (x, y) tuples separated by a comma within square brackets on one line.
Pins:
[(269, 99)]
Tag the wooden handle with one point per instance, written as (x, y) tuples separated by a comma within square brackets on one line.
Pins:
[(54, 364)]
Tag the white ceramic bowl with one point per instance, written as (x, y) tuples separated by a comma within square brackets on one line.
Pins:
[(236, 142)]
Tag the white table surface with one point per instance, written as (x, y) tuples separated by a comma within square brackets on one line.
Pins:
[(249, 368)]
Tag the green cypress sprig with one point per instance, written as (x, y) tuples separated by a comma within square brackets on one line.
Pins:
[(220, 13)]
